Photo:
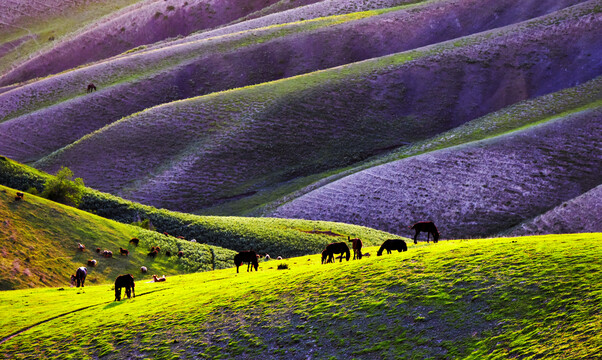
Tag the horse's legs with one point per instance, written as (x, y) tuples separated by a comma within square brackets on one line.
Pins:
[(416, 236), (428, 236)]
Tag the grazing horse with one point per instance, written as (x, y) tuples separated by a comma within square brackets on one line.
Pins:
[(325, 258), (337, 248), (79, 277), (125, 252), (427, 227), (127, 282), (135, 241), (357, 247), (249, 257), (392, 244), (91, 87)]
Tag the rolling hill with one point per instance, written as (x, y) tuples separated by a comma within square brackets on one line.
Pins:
[(256, 115), (217, 147), (279, 237), (492, 298), (39, 245)]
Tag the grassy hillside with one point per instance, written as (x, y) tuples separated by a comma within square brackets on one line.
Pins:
[(217, 147), (279, 237), (491, 298), (39, 246)]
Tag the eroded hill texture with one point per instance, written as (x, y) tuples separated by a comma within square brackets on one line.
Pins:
[(306, 109)]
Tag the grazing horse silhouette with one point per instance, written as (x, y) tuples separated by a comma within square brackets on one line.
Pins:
[(126, 281), (325, 257), (249, 257), (392, 244), (337, 248), (135, 241), (91, 87), (79, 277), (427, 227), (357, 247)]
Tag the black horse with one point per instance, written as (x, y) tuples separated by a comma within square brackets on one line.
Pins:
[(91, 87), (80, 276), (392, 244), (127, 282), (427, 227), (249, 257), (336, 248), (325, 258)]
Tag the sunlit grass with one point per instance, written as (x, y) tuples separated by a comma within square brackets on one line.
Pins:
[(530, 296)]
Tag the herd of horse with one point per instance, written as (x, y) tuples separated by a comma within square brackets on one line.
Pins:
[(250, 257), (328, 254)]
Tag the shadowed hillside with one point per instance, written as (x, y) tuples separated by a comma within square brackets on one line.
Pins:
[(581, 214), (53, 108), (471, 190), (218, 147), (144, 22)]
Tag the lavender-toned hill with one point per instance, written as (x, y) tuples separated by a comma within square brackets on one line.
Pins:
[(581, 214), (472, 190), (274, 101), (53, 108), (226, 145)]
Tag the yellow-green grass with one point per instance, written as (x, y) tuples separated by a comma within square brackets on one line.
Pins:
[(528, 297), (284, 237), (39, 245)]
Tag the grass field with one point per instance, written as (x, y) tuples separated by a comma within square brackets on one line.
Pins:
[(529, 297)]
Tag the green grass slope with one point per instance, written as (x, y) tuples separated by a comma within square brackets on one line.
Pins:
[(39, 246), (233, 144), (530, 297), (278, 237)]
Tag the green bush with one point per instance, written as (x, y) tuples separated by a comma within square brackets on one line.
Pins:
[(61, 188)]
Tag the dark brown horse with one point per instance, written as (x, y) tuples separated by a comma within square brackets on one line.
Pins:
[(135, 241), (392, 244), (249, 257), (357, 247), (325, 257), (91, 87), (80, 277), (427, 227), (337, 248), (127, 282)]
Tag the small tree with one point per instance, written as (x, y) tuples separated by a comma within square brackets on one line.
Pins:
[(62, 189)]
